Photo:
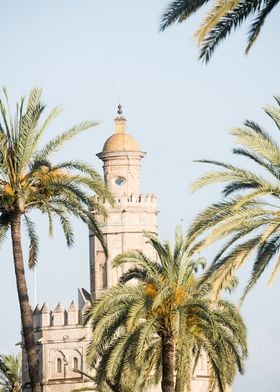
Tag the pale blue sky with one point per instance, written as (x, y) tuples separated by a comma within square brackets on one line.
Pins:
[(178, 109)]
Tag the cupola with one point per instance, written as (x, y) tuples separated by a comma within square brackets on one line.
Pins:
[(120, 140), (121, 155)]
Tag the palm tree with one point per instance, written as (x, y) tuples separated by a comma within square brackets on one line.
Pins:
[(248, 217), (10, 373), (158, 328), (29, 181), (223, 18)]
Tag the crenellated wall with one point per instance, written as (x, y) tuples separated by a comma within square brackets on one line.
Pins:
[(61, 345), (44, 317), (132, 199)]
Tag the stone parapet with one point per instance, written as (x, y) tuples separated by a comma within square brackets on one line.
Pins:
[(44, 317), (130, 199)]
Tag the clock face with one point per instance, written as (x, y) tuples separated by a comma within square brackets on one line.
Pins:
[(120, 181)]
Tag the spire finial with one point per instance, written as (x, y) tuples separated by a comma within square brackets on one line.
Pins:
[(120, 120), (119, 111)]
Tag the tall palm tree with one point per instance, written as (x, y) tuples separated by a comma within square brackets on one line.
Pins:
[(248, 217), (158, 328), (223, 18), (10, 373), (29, 181)]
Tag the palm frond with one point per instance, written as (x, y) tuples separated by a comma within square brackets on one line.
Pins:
[(134, 273), (10, 373), (139, 258), (66, 226), (252, 201), (43, 127), (273, 112), (259, 21), (258, 140), (56, 143), (3, 231), (33, 242), (220, 9), (178, 11), (233, 19), (236, 176), (7, 119), (218, 212), (226, 268), (265, 253), (274, 272), (27, 130), (260, 161)]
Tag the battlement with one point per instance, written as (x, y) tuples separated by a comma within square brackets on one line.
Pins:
[(145, 199), (44, 317)]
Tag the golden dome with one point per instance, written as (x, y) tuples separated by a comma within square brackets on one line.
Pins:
[(121, 142)]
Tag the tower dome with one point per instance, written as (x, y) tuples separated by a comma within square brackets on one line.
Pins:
[(120, 140), (121, 155)]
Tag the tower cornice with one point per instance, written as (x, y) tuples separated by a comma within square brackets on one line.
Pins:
[(107, 155)]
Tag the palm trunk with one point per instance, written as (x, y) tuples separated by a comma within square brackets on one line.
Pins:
[(168, 353), (25, 308)]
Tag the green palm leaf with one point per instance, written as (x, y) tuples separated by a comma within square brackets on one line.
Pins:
[(10, 373), (259, 21), (235, 219), (223, 18), (30, 181), (178, 11), (166, 305)]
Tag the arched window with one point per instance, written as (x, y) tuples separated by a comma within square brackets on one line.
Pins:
[(100, 258), (58, 365), (202, 364), (75, 363)]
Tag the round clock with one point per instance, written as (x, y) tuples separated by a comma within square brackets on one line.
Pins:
[(120, 181)]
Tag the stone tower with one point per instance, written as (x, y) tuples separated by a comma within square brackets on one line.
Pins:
[(132, 214), (60, 336)]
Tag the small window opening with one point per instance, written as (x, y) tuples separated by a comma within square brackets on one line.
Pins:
[(75, 363), (58, 365)]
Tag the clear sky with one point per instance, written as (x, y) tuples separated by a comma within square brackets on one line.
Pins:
[(179, 110)]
